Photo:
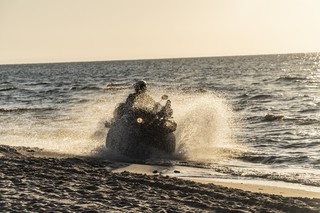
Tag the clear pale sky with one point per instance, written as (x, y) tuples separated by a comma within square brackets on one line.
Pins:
[(34, 31)]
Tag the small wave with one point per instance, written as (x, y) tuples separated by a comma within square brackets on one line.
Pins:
[(7, 88), (270, 117), (97, 88), (116, 87), (38, 84), (301, 145), (299, 158), (94, 88), (309, 110), (192, 91), (261, 97), (91, 88), (302, 120), (292, 78), (22, 110), (307, 121), (316, 164)]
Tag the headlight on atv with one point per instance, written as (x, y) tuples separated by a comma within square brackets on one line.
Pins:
[(139, 120)]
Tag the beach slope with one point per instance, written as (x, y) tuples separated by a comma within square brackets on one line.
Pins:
[(35, 182)]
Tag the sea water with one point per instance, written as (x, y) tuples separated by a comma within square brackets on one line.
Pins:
[(245, 116)]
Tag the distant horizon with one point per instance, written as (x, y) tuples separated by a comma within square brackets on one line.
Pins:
[(147, 59)]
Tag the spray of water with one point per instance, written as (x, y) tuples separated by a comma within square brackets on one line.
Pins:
[(76, 130), (205, 127)]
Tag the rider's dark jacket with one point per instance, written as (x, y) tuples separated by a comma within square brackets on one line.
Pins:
[(138, 100)]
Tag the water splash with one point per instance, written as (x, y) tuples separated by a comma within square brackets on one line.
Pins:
[(204, 130), (76, 130), (205, 127)]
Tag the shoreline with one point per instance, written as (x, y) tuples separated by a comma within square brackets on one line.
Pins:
[(259, 188), (262, 186)]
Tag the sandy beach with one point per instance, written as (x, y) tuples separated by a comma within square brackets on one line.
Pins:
[(33, 180)]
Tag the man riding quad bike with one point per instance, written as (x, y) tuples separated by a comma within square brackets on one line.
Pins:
[(141, 126)]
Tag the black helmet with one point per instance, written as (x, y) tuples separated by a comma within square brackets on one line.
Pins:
[(140, 86)]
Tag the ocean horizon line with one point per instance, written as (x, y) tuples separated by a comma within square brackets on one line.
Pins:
[(154, 59)]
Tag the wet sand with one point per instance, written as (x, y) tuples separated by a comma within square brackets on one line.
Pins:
[(269, 187), (32, 180)]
